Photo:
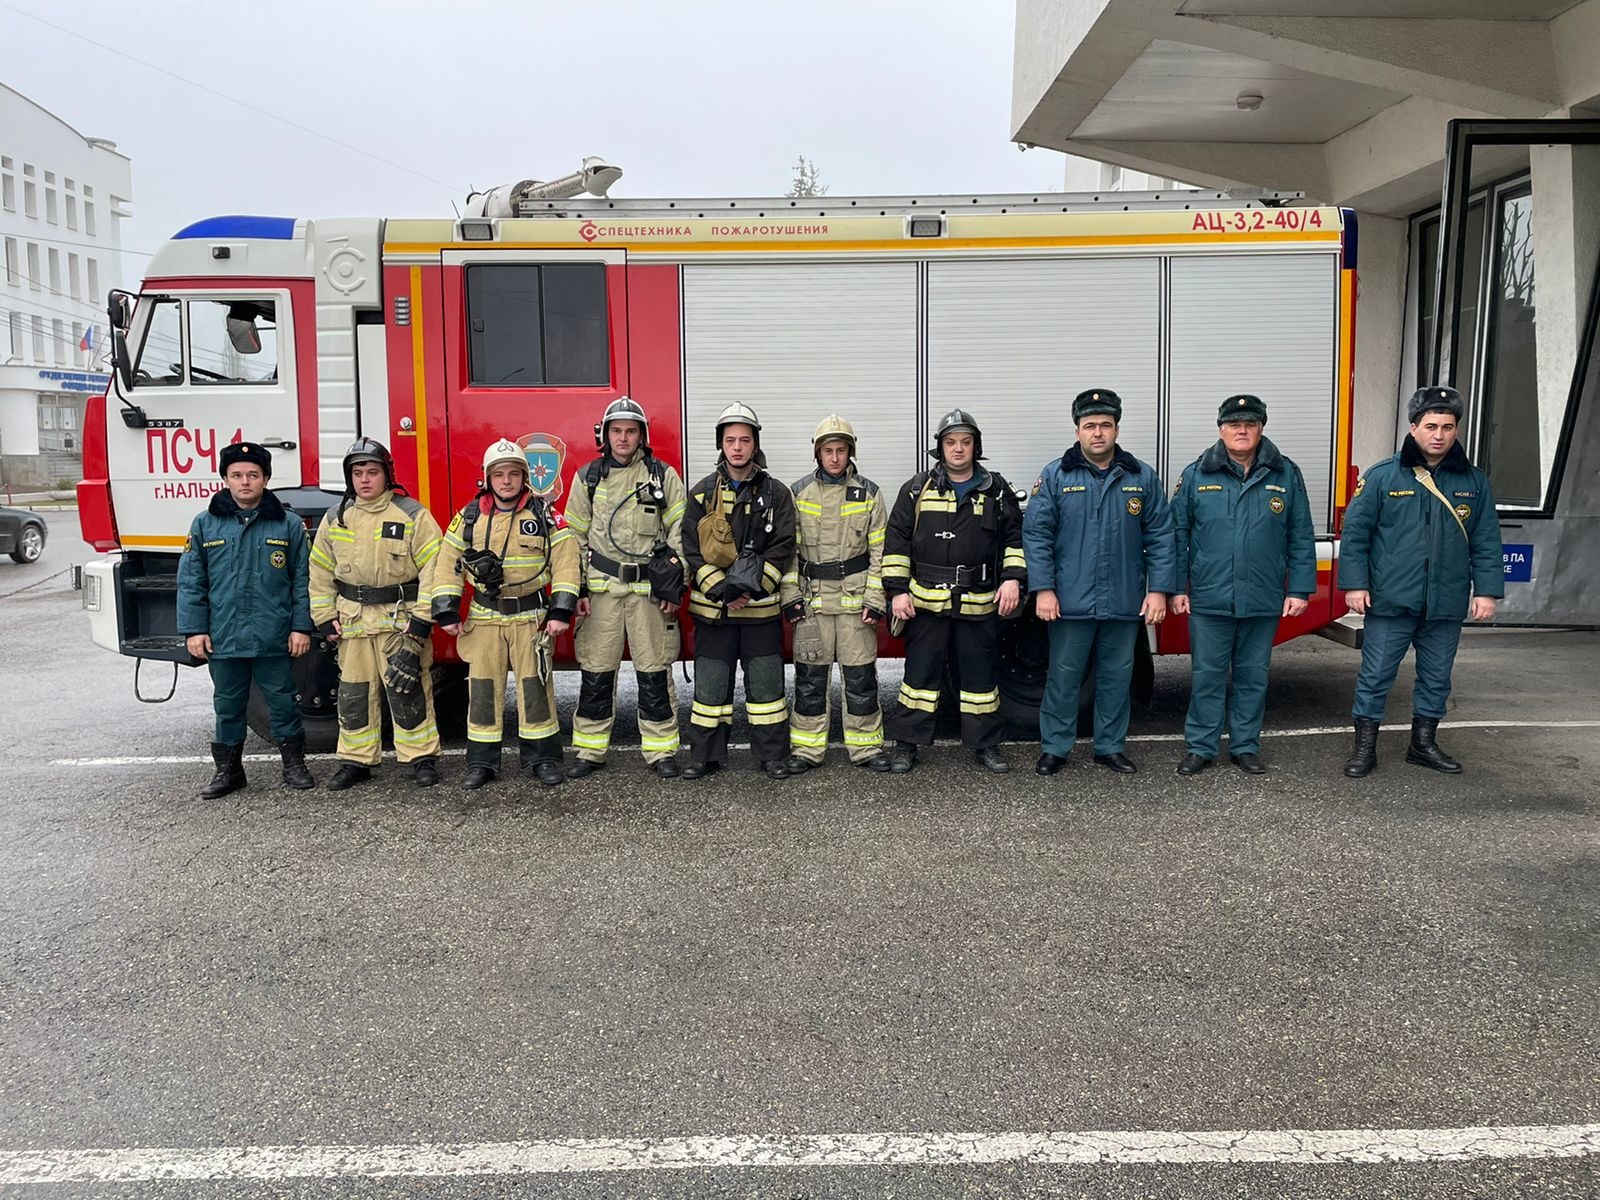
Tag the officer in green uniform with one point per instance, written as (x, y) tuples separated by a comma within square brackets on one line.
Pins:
[(1420, 554), (244, 606), (1248, 553)]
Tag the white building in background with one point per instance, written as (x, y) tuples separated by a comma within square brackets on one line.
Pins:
[(63, 198), (1090, 175)]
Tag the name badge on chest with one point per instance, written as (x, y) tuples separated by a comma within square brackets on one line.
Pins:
[(394, 529)]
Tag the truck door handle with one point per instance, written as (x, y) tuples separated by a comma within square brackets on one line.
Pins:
[(277, 445)]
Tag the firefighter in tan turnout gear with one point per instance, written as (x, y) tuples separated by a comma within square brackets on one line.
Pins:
[(626, 512), (367, 559), (834, 594), (522, 562)]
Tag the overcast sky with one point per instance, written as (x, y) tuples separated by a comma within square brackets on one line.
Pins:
[(693, 97)]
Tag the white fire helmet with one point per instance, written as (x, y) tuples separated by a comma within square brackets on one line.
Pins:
[(504, 451)]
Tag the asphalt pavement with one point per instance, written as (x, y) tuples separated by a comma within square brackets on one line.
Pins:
[(944, 953)]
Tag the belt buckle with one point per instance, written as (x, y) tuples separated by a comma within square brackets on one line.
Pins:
[(963, 576)]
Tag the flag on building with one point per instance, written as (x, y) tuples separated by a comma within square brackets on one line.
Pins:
[(87, 341)]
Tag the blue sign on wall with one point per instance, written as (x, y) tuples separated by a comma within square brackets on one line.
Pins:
[(1519, 563)]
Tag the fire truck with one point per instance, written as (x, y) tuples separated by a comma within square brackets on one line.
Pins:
[(529, 314)]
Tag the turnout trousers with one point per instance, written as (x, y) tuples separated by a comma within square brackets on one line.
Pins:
[(757, 647), (1384, 646), (652, 639), (230, 699), (490, 648), (361, 668), (974, 647), (821, 640), (1071, 644), (1218, 646)]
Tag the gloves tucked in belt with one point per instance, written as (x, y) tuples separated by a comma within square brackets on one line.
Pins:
[(403, 675)]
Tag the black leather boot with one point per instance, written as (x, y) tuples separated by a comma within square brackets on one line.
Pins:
[(293, 752), (1364, 755), (348, 775), (1425, 752), (230, 771)]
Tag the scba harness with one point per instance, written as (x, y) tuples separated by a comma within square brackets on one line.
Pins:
[(661, 568)]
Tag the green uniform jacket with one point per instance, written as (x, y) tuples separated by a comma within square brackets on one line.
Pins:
[(243, 578), (1245, 542), (1401, 544)]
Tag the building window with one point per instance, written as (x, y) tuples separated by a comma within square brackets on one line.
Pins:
[(15, 323), (94, 283), (72, 211), (13, 272), (38, 339), (88, 214), (34, 283), (72, 277), (58, 333), (30, 198), (55, 270), (77, 337), (538, 326), (8, 186), (50, 205)]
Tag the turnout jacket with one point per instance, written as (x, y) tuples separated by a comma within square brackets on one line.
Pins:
[(384, 543), (1100, 542), (624, 521), (243, 578), (750, 509), (839, 536), (1245, 541), (1405, 547), (952, 556), (536, 549)]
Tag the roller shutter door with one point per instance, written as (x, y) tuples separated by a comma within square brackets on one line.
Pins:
[(797, 341), (1265, 324), (1012, 341)]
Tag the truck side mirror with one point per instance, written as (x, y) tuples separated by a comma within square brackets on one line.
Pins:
[(119, 310)]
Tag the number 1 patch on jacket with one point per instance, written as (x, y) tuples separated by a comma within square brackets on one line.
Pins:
[(394, 529)]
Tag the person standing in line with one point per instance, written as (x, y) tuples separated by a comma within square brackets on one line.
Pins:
[(738, 540), (1101, 558), (1248, 552), (626, 512), (953, 566), (367, 561), (834, 595), (1420, 554), (523, 564), (244, 609)]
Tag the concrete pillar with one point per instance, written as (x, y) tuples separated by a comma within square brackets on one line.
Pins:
[(1380, 333)]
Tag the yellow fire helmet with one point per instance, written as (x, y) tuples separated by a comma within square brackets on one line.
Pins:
[(834, 427)]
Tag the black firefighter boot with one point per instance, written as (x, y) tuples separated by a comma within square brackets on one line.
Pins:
[(533, 756), (1425, 752), (230, 771), (295, 774), (1364, 757)]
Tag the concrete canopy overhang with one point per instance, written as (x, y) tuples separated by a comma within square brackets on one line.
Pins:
[(1354, 94)]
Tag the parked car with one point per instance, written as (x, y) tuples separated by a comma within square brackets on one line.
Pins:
[(22, 534)]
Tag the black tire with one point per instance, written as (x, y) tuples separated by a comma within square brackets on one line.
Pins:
[(30, 544), (316, 676)]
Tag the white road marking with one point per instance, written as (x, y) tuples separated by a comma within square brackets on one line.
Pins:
[(135, 760), (1323, 1147)]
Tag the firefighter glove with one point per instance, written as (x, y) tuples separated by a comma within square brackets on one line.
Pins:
[(403, 676), (795, 611)]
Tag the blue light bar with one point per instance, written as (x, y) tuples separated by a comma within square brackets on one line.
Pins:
[(279, 229)]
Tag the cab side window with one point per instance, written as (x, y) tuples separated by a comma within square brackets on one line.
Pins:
[(160, 360), (233, 342)]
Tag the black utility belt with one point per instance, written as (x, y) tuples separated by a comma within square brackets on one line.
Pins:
[(510, 606), (835, 570), (363, 594), (963, 576), (623, 572)]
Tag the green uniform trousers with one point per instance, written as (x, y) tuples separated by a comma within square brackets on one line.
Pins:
[(1072, 643), (230, 682), (1218, 646)]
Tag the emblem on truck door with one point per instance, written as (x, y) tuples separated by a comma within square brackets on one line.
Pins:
[(545, 453)]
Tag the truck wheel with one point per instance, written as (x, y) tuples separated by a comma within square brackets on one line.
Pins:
[(316, 677)]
